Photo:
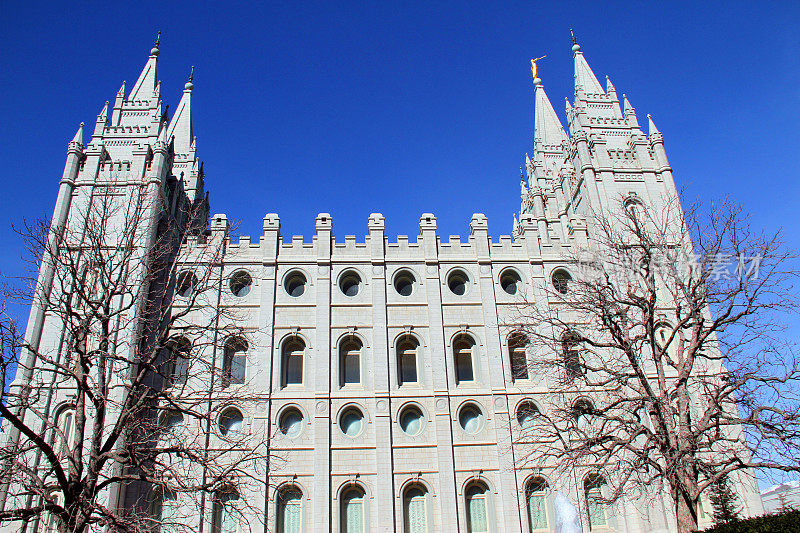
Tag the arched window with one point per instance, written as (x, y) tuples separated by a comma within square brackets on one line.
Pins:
[(415, 510), (290, 510), (407, 349), (234, 361), (226, 513), (463, 348), (536, 495), (352, 511), (176, 361), (573, 368), (165, 510), (64, 437), (516, 353), (293, 352), (594, 487), (476, 498), (350, 361)]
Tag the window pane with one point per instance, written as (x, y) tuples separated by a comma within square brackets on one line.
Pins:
[(352, 372), (537, 513), (519, 365), (353, 514), (464, 365), (476, 509), (415, 514), (294, 368), (408, 366), (237, 367), (290, 513), (597, 509)]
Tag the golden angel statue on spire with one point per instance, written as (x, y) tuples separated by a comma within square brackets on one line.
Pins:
[(534, 69)]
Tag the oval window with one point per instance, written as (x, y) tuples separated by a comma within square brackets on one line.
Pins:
[(561, 280), (351, 422), (295, 284), (291, 422), (471, 418), (187, 284), (350, 283), (510, 281), (458, 282), (526, 414), (404, 283), (230, 422), (241, 283), (411, 421)]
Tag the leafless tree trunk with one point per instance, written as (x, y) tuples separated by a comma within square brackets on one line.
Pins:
[(131, 395), (665, 356)]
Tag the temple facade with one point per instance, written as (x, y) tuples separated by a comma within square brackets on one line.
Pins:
[(384, 375)]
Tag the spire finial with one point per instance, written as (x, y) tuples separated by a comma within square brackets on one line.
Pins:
[(575, 46), (535, 71), (190, 84), (154, 50)]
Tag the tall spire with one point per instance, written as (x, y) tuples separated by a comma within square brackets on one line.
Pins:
[(651, 125), (78, 139), (145, 86), (584, 77), (547, 127), (180, 127)]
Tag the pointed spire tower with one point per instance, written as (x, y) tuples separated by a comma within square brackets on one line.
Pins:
[(180, 133)]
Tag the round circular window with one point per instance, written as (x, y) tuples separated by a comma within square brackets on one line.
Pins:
[(404, 282), (187, 284), (241, 283), (510, 281), (350, 283), (230, 422), (411, 420), (295, 284), (561, 280), (291, 422), (526, 414), (471, 418), (458, 282), (351, 422)]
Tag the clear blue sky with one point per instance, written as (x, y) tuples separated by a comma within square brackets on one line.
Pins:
[(351, 108)]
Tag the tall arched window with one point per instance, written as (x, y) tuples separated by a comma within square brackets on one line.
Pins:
[(350, 361), (536, 494), (352, 510), (597, 508), (176, 364), (516, 354), (165, 511), (293, 352), (234, 361), (290, 510), (407, 349), (463, 348), (64, 436), (225, 516), (572, 360), (415, 510), (477, 503)]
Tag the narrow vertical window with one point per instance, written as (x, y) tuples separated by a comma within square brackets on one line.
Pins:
[(64, 432), (350, 361), (352, 511), (176, 361), (477, 509), (290, 507), (463, 348), (516, 353), (225, 517), (537, 490), (293, 352), (234, 362), (415, 512), (407, 359), (595, 503), (165, 511)]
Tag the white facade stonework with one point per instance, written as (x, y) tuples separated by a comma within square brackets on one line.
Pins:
[(426, 477)]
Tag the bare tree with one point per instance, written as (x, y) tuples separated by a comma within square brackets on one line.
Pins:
[(665, 358), (128, 420)]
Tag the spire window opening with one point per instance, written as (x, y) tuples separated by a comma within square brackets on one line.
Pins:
[(407, 350), (517, 343), (463, 348), (350, 361), (234, 362), (293, 355)]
